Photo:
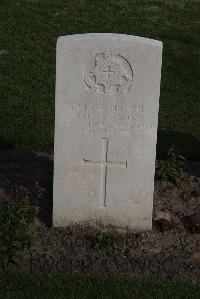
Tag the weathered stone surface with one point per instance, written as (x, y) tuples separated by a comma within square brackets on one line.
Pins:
[(107, 100)]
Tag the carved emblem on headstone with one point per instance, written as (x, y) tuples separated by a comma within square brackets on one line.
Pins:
[(108, 73)]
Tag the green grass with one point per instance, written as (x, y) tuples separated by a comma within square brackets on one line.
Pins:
[(24, 285), (28, 33)]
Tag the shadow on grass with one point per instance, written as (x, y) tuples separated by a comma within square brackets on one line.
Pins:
[(185, 144), (23, 168), (5, 144)]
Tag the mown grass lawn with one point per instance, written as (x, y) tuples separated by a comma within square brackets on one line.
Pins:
[(24, 285), (28, 33)]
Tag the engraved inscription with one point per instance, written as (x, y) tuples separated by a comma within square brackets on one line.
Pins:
[(104, 163), (97, 119), (108, 73)]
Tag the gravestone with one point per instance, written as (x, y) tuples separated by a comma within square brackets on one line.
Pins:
[(106, 114)]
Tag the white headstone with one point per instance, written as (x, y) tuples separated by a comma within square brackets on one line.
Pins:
[(107, 101)]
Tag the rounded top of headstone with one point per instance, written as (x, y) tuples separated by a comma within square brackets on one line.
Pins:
[(138, 39)]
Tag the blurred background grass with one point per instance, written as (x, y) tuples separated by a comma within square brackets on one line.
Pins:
[(28, 34), (61, 285)]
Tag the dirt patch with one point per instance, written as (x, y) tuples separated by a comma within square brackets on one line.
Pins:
[(171, 254)]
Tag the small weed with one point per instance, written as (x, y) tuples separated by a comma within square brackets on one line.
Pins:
[(18, 209), (170, 169), (105, 239)]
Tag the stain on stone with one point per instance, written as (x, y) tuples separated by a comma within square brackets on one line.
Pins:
[(137, 197), (92, 192)]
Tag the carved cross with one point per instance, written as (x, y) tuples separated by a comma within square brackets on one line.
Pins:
[(104, 163), (108, 72)]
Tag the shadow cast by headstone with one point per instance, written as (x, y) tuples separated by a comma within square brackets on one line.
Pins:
[(24, 168), (5, 144), (187, 145)]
